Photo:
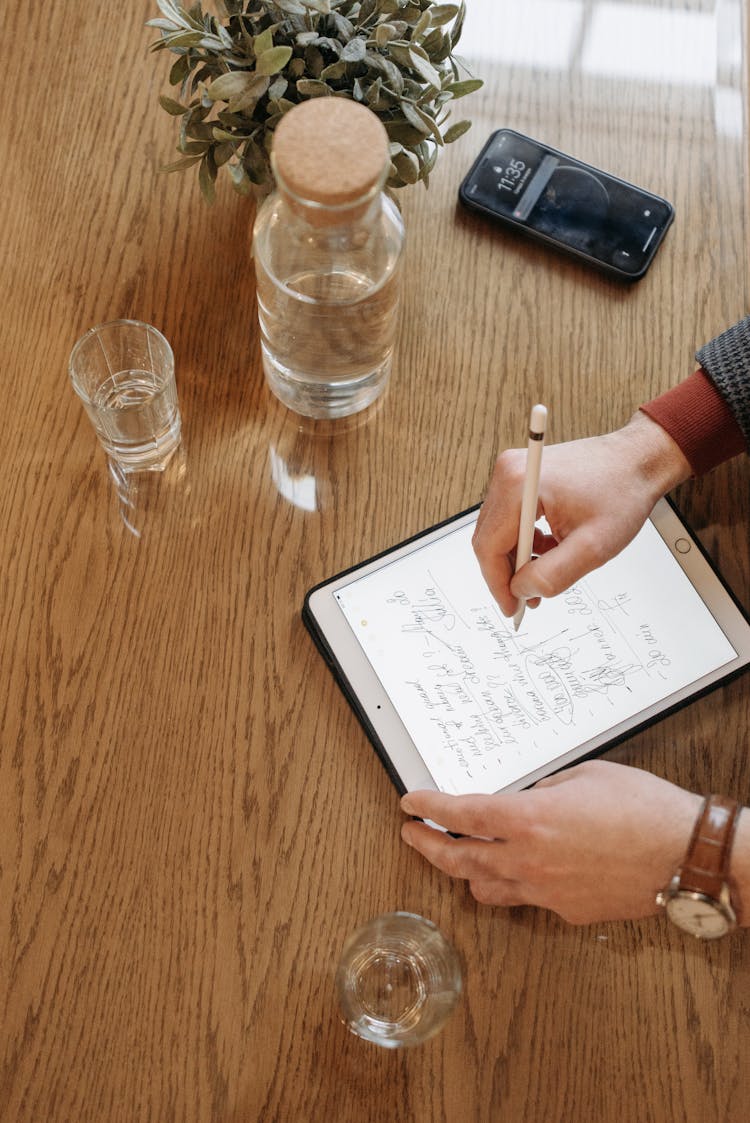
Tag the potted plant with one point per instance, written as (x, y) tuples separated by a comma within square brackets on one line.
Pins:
[(239, 71)]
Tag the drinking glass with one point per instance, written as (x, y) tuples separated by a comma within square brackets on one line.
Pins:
[(123, 372), (398, 980)]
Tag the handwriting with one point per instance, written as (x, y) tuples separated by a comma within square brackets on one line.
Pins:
[(486, 705)]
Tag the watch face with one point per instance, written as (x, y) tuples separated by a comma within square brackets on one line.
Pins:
[(698, 916)]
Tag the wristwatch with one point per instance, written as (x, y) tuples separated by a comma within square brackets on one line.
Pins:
[(697, 898)]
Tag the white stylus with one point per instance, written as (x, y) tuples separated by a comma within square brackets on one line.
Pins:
[(530, 498)]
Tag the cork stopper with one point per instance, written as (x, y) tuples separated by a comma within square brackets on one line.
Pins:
[(330, 151)]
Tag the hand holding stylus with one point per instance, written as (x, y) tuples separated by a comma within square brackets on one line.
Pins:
[(595, 495)]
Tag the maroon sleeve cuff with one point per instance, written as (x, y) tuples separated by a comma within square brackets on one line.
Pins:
[(698, 419)]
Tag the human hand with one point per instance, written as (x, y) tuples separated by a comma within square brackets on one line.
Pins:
[(595, 493), (594, 842)]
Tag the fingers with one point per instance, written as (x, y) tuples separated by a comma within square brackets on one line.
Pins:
[(476, 816), (497, 571), (559, 568), (496, 532), (481, 863), (467, 858)]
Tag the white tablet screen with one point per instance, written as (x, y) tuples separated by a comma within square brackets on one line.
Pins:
[(486, 706)]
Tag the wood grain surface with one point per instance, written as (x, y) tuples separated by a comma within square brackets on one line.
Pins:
[(191, 819)]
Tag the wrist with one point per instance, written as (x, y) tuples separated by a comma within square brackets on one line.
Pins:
[(654, 455), (707, 893), (699, 419), (739, 878)]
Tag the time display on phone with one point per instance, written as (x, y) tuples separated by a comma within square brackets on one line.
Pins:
[(512, 175)]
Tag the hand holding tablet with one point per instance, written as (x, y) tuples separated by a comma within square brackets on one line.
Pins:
[(591, 843)]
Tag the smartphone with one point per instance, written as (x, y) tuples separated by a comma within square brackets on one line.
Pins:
[(555, 198)]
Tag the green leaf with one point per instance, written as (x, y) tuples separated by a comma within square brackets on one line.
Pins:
[(421, 121), (403, 133), (281, 105), (254, 162), (224, 35), (271, 62), (384, 32), (179, 70), (400, 52), (422, 24), (194, 147), (386, 67), (437, 46), (461, 89), (354, 51), (458, 26), (424, 67), (162, 24), (277, 88), (427, 156), (407, 166), (245, 102), (443, 13), (455, 131), (312, 87), (172, 107), (231, 85), (314, 61), (172, 12), (184, 39), (207, 178), (334, 71), (263, 42), (344, 27), (223, 153), (372, 97), (180, 165)]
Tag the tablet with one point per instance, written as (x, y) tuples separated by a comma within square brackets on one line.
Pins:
[(453, 698)]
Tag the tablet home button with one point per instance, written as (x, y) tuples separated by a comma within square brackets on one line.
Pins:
[(682, 546)]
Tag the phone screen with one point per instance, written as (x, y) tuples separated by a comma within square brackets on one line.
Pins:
[(574, 205)]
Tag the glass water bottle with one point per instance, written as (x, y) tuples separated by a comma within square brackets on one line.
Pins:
[(327, 246)]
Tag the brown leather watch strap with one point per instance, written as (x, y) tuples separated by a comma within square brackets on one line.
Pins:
[(706, 865)]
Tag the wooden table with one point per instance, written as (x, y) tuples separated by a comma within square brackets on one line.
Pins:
[(191, 819)]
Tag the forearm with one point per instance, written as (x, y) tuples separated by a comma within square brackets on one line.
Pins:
[(698, 419)]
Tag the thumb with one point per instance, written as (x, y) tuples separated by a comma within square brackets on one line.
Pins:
[(559, 568)]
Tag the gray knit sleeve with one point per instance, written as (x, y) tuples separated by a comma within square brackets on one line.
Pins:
[(726, 361)]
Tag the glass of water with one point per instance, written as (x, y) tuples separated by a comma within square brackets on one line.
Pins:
[(123, 372), (398, 980)]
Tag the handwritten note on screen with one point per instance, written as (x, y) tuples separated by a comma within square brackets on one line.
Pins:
[(486, 706)]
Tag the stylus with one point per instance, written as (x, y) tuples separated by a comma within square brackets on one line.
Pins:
[(530, 497)]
